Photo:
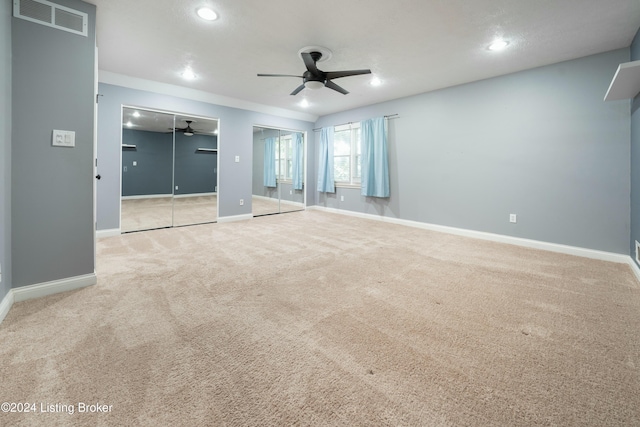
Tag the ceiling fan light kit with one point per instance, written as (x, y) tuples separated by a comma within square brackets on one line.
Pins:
[(186, 131), (314, 78), (314, 85)]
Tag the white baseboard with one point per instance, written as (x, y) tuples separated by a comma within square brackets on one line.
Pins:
[(272, 199), (179, 196), (100, 234), (54, 287), (534, 244), (234, 218), (6, 304), (634, 268), (148, 196)]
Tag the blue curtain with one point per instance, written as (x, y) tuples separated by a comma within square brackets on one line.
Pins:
[(326, 183), (375, 162), (298, 161), (270, 162)]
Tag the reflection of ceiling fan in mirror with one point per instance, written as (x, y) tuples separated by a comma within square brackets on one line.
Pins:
[(188, 130)]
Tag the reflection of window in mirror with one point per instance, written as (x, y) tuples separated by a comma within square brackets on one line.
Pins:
[(278, 171), (284, 159)]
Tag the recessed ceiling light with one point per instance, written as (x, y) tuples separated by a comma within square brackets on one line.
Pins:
[(304, 103), (375, 82), (129, 124), (136, 114), (188, 74), (498, 45), (207, 14)]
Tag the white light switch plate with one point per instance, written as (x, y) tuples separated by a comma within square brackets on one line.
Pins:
[(63, 138)]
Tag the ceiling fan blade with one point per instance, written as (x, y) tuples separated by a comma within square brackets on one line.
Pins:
[(338, 74), (332, 85), (278, 75), (298, 89), (310, 63)]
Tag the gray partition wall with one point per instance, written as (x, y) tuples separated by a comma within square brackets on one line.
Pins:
[(635, 159), (53, 84), (5, 147)]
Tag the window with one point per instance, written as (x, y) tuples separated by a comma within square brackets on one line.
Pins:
[(284, 159), (346, 154)]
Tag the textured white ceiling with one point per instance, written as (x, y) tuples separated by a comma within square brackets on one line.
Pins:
[(413, 46)]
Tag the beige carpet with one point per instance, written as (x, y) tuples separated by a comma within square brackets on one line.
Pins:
[(265, 206), (162, 212), (146, 214), (314, 319)]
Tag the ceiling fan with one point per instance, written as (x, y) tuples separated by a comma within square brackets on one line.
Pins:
[(315, 78), (187, 131)]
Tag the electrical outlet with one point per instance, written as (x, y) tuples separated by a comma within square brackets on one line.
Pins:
[(237, 159), (135, 163), (125, 169), (176, 187), (241, 202), (290, 192), (512, 218), (342, 198)]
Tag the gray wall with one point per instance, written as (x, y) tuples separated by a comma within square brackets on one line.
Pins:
[(5, 146), (52, 187), (195, 170), (635, 158), (539, 143), (235, 139), (153, 173)]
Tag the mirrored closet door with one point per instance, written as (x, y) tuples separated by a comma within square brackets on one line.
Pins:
[(169, 170), (278, 171)]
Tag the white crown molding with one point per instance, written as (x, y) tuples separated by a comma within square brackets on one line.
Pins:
[(116, 79)]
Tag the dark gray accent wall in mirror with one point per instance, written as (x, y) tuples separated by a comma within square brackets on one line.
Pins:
[(169, 170), (278, 171)]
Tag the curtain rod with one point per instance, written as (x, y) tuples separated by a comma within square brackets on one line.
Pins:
[(350, 123)]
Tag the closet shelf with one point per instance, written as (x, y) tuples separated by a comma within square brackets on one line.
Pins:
[(625, 83), (128, 146)]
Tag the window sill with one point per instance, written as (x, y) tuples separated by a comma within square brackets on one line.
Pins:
[(345, 185)]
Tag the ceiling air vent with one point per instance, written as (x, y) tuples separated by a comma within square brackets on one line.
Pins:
[(52, 15)]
